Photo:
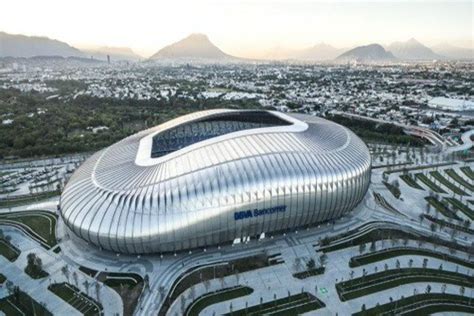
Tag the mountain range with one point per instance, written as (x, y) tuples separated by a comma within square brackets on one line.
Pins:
[(195, 46), (115, 53), (366, 54), (31, 46), (412, 50), (199, 47)]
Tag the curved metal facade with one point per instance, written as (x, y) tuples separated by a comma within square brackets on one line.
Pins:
[(238, 184)]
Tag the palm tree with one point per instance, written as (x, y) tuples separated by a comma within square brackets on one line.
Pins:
[(97, 290), (86, 286), (65, 271), (74, 276)]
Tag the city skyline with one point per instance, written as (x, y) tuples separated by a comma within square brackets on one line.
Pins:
[(269, 25)]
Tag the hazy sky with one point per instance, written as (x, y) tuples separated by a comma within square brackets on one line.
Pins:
[(239, 27)]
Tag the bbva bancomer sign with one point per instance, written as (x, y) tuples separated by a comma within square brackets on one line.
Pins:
[(258, 212)]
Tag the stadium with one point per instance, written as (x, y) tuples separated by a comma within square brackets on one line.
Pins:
[(211, 177)]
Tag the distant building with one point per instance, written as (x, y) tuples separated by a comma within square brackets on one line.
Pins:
[(449, 104)]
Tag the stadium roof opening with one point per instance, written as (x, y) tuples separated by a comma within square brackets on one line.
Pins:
[(219, 124)]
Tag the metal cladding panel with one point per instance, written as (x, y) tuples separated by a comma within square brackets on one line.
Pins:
[(235, 185)]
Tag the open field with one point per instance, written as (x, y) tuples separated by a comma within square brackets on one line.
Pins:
[(216, 297), (291, 305), (22, 304), (39, 225), (74, 297), (405, 251), (380, 281), (422, 304)]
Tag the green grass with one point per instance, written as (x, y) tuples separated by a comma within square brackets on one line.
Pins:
[(433, 186), (453, 174), (128, 285), (385, 254), (443, 223), (462, 207), (441, 208), (420, 167), (292, 305), (74, 297), (214, 271), (384, 280), (408, 180), (446, 183), (309, 273), (393, 189), (422, 304), (27, 199), (36, 274), (468, 172), (39, 225), (8, 251), (216, 297), (90, 272), (21, 305)]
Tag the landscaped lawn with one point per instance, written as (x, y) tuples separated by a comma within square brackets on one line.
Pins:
[(384, 254), (453, 174), (440, 207), (74, 297), (36, 274), (21, 305), (8, 251), (422, 304), (468, 172), (216, 297), (438, 176), (408, 180), (128, 285), (11, 202), (433, 186), (40, 225), (462, 207), (380, 281), (354, 238), (217, 270), (292, 305), (308, 273)]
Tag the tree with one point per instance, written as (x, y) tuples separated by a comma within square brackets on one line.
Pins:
[(311, 264), (361, 248), (297, 263), (74, 276), (207, 285), (34, 264), (86, 286), (97, 290), (161, 290), (65, 271), (146, 280), (372, 246), (323, 259)]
